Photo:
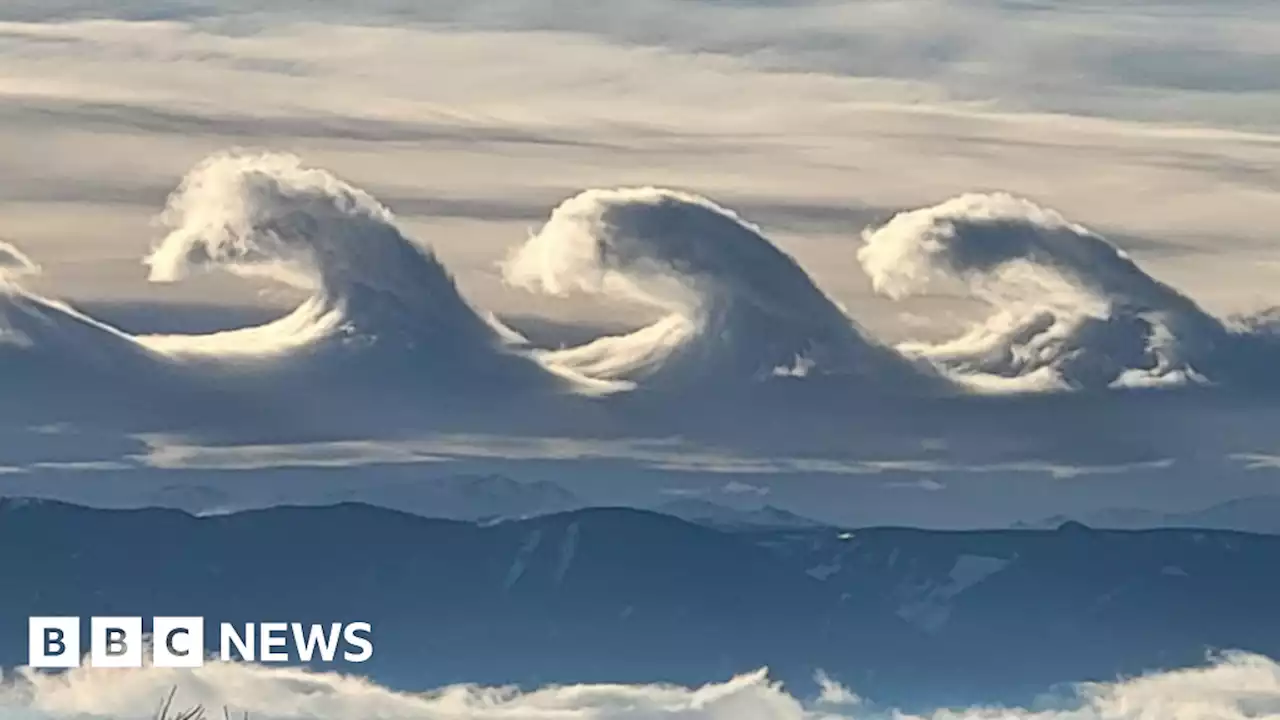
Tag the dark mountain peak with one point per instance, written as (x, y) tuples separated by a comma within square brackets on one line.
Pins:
[(1074, 527), (617, 519)]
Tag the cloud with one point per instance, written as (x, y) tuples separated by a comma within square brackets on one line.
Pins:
[(339, 454), (13, 263), (667, 454), (383, 341), (268, 215), (1065, 57), (1069, 309), (1232, 687), (376, 297), (385, 362), (630, 96), (736, 307), (381, 311), (737, 487), (926, 484)]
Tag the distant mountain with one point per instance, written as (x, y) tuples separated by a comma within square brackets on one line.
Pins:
[(465, 497), (908, 617), (1258, 514), (706, 512), (454, 497), (474, 498), (194, 499)]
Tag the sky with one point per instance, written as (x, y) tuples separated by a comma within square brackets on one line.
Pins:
[(1153, 122), (1131, 147)]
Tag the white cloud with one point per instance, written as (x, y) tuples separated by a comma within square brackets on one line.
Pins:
[(1152, 122), (1234, 687), (1069, 309), (737, 307), (106, 114), (1095, 57), (176, 453), (260, 457), (737, 487), (13, 263), (925, 484)]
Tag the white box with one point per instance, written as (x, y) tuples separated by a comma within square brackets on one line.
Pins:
[(58, 634), (115, 642), (177, 642)]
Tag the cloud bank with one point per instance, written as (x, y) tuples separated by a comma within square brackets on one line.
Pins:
[(385, 333), (1233, 687), (1160, 135), (104, 113)]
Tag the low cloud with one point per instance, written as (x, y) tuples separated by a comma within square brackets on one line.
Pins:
[(1232, 687)]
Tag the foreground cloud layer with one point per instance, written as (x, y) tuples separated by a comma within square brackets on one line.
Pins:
[(1233, 687)]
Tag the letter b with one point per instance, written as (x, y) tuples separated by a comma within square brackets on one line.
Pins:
[(53, 642), (115, 642)]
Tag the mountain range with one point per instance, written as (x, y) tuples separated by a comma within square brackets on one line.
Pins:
[(472, 497), (908, 617), (1256, 514), (493, 496)]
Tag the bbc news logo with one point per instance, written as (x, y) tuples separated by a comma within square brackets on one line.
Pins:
[(178, 642)]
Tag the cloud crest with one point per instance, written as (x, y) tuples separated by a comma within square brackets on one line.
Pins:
[(736, 307), (268, 215), (1068, 309)]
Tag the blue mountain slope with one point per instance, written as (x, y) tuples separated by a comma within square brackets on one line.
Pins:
[(904, 616)]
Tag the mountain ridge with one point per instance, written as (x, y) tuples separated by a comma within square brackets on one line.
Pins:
[(629, 595)]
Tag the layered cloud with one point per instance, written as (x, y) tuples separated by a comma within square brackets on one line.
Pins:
[(1065, 57), (103, 113)]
